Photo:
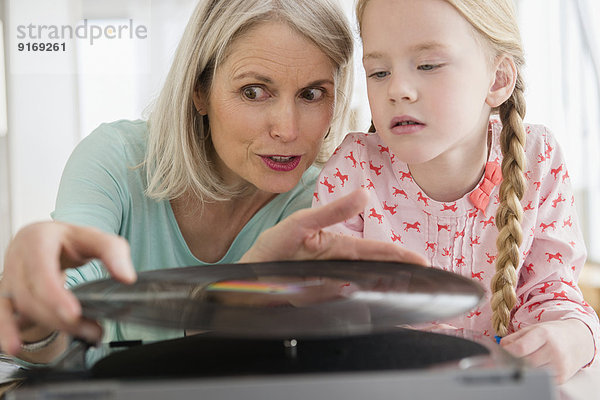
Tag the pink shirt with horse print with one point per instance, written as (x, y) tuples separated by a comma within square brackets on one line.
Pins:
[(460, 236)]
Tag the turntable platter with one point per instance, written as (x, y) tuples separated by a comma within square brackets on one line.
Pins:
[(297, 299)]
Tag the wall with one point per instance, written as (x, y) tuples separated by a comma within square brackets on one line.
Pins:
[(55, 99)]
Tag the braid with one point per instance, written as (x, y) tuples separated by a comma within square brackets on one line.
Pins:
[(510, 211)]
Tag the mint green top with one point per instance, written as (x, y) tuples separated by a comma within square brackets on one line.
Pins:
[(103, 186)]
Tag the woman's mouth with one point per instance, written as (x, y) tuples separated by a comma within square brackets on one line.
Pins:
[(281, 163)]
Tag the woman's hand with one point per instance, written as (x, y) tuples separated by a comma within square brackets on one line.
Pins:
[(563, 346), (300, 237), (33, 299)]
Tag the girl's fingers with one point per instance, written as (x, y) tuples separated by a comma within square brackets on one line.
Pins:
[(523, 343)]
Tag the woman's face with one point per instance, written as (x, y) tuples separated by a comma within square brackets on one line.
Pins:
[(269, 107)]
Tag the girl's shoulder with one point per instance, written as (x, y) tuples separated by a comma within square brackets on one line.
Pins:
[(542, 148), (539, 139), (361, 142), (538, 135), (359, 147), (360, 138), (544, 160)]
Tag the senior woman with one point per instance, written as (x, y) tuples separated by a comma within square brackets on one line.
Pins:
[(257, 94)]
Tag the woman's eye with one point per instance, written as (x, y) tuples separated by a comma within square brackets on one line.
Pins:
[(254, 93), (379, 74), (312, 94)]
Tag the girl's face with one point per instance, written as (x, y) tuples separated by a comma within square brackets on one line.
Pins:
[(270, 105), (428, 80)]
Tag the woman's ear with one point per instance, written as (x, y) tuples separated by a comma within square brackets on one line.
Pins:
[(505, 78), (200, 102)]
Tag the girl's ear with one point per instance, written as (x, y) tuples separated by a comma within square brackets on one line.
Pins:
[(200, 102), (505, 78)]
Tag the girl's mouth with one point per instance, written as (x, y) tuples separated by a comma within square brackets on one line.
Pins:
[(405, 125)]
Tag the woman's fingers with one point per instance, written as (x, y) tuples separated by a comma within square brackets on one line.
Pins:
[(82, 244), (58, 246), (301, 237), (33, 283), (9, 332), (38, 286), (335, 212), (331, 246)]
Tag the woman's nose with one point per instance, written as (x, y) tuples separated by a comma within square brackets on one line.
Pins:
[(285, 122), (401, 88)]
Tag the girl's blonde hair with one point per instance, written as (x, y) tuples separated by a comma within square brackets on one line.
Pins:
[(180, 155), (497, 26)]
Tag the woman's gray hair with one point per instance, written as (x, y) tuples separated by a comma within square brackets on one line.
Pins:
[(179, 155)]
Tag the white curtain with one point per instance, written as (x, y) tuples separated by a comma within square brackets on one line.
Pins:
[(563, 92), (4, 183)]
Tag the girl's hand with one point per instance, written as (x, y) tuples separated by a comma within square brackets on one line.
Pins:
[(300, 237), (563, 346), (33, 299)]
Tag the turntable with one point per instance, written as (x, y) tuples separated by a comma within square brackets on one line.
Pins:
[(294, 330)]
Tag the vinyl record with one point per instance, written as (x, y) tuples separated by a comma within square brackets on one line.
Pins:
[(284, 299)]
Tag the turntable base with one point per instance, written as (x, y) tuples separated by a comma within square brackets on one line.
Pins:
[(381, 366), (497, 384)]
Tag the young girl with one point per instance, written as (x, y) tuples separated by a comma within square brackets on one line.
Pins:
[(484, 197)]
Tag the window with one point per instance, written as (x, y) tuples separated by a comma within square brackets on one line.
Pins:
[(563, 93)]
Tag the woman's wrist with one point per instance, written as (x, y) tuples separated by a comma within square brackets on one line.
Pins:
[(37, 345), (44, 350), (33, 332)]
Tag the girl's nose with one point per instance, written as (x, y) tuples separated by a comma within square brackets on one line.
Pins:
[(401, 89)]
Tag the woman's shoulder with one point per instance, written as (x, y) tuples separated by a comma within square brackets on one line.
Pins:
[(123, 138), (131, 131), (310, 176)]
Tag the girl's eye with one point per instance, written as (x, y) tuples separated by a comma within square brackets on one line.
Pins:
[(312, 94), (379, 74), (254, 93), (427, 67)]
